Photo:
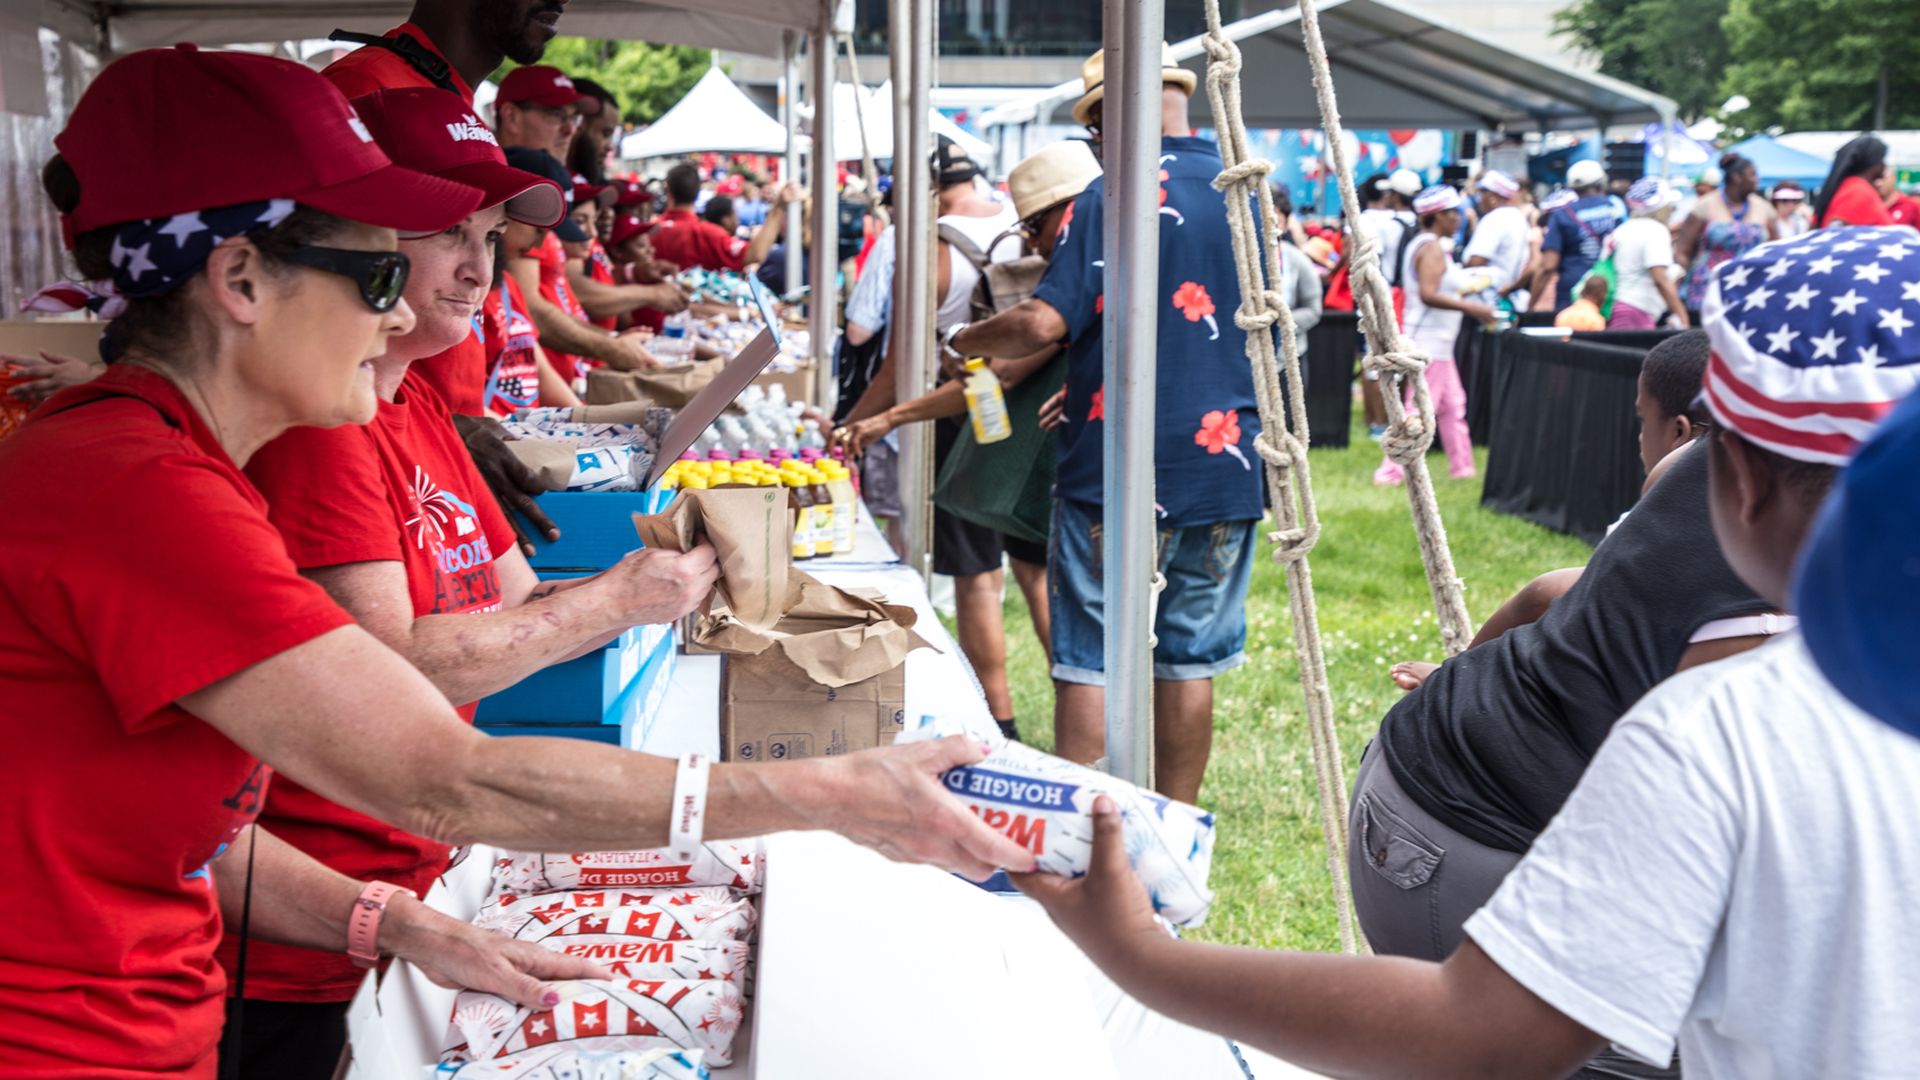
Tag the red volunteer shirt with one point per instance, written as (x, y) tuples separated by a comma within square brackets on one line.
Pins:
[(459, 375), (1905, 210), (513, 368), (554, 287), (401, 489), (137, 566), (600, 269), (686, 241), (373, 67)]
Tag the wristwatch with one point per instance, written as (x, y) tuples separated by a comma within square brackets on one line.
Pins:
[(363, 925), (946, 340)]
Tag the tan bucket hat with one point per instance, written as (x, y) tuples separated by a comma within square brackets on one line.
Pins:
[(1093, 75), (1050, 177)]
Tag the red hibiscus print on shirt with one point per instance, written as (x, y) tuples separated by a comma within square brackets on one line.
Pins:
[(1192, 300), (1100, 304), (1220, 434), (1178, 217), (1066, 222), (1099, 410)]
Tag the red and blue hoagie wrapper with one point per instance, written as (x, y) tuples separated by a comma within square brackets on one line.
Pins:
[(597, 1016), (709, 914), (550, 1063), (738, 864), (1045, 804), (641, 958)]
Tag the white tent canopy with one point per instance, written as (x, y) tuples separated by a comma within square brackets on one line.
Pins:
[(1394, 67), (876, 109), (749, 26), (714, 115)]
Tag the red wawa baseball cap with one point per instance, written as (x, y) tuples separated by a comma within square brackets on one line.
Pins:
[(172, 131), (541, 84), (439, 134), (627, 226)]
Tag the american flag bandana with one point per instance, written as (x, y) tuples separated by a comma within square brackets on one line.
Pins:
[(1810, 345)]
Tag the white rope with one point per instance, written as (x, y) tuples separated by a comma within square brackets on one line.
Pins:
[(1282, 444)]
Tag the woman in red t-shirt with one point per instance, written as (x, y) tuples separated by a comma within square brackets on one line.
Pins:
[(1849, 196), (161, 657)]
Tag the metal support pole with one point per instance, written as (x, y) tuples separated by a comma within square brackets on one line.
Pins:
[(1130, 328), (823, 304), (913, 329), (790, 166)]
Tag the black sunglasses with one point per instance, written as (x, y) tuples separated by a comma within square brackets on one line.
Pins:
[(381, 275)]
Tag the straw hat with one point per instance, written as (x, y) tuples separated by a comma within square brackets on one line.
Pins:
[(1052, 176), (1093, 75)]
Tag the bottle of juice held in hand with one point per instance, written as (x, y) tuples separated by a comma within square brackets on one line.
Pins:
[(986, 404), (840, 488), (797, 487)]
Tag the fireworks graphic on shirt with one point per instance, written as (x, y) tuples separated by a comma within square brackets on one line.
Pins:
[(437, 510)]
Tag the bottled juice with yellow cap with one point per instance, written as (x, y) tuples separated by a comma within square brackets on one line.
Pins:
[(986, 404), (822, 512), (840, 490), (796, 485)]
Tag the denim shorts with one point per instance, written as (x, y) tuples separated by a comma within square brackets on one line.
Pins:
[(1201, 623)]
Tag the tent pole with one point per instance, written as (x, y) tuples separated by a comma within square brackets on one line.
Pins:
[(790, 166), (913, 282), (823, 304), (1131, 328)]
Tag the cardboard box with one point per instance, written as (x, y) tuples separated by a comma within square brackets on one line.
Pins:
[(596, 527), (770, 710), (799, 384)]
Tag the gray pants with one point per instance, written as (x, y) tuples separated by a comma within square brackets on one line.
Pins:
[(1415, 882)]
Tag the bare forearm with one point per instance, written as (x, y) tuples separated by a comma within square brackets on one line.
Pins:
[(1026, 328), (559, 330), (879, 394), (765, 236), (601, 299), (948, 400), (296, 900), (1348, 1016), (1527, 605), (471, 656)]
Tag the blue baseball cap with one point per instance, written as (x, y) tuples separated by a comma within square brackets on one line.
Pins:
[(1857, 591)]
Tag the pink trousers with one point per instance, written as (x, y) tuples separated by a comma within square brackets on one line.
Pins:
[(1450, 415)]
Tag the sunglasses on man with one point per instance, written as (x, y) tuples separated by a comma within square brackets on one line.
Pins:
[(380, 275)]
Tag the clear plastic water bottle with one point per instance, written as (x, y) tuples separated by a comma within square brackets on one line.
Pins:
[(673, 343)]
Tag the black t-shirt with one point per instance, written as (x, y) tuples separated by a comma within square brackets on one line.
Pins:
[(1494, 741)]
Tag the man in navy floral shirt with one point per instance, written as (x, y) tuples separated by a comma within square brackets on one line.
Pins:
[(1207, 477)]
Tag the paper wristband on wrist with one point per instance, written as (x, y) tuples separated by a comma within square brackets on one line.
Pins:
[(687, 823)]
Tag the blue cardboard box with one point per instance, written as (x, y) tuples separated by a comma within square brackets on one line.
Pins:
[(596, 527), (580, 691), (632, 711)]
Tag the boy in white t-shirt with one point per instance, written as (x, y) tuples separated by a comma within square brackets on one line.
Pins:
[(1735, 871)]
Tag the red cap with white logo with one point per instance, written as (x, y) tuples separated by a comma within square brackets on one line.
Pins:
[(172, 131), (627, 226), (538, 84), (437, 132), (585, 190)]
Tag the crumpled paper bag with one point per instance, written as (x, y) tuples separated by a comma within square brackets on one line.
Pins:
[(670, 386)]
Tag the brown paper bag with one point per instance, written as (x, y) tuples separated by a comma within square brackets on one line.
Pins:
[(625, 412), (672, 387), (751, 531), (551, 461)]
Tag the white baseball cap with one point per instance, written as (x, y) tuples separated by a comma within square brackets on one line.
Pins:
[(1586, 174), (1406, 182)]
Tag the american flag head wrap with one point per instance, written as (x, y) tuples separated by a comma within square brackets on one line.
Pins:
[(1814, 339)]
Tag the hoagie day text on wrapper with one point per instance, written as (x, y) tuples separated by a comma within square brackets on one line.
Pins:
[(1045, 804)]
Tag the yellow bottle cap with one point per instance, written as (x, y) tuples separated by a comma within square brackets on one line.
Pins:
[(976, 364)]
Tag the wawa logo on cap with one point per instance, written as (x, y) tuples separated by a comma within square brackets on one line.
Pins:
[(470, 129), (358, 125), (563, 82)]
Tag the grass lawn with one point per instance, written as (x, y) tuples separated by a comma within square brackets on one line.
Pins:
[(1269, 868)]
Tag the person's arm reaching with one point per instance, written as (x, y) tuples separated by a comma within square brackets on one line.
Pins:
[(469, 656), (387, 743), (39, 377), (1021, 330), (774, 228), (1430, 266), (1663, 280), (559, 330), (298, 901), (1348, 1016), (602, 300)]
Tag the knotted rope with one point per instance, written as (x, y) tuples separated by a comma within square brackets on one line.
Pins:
[(1282, 444)]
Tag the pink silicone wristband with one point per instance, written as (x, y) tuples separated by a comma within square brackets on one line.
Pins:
[(363, 925)]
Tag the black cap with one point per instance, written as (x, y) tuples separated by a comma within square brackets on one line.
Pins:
[(951, 165), (543, 164)]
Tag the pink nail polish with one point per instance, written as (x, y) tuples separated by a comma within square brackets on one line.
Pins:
[(550, 998)]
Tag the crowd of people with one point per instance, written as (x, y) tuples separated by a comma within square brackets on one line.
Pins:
[(1634, 820)]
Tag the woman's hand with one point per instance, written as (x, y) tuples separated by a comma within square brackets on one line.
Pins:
[(1483, 313), (892, 800), (1107, 911), (48, 373), (463, 956), (860, 434), (653, 586)]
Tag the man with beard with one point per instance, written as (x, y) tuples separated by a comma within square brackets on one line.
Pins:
[(451, 44)]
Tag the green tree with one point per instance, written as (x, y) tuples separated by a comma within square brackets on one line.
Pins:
[(1673, 47), (648, 79), (1824, 64)]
